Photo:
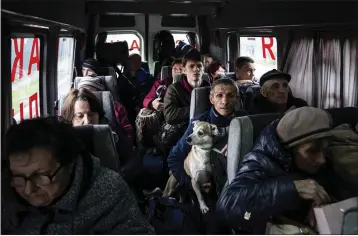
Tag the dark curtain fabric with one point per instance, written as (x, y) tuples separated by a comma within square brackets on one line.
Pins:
[(324, 68)]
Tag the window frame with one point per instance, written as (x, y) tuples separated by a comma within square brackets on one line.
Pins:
[(256, 34), (68, 35), (29, 32)]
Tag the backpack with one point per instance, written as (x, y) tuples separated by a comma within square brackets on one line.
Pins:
[(168, 216)]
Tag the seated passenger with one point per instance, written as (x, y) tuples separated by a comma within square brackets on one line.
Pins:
[(274, 96), (208, 59), (224, 97), (278, 178), (97, 84), (91, 67), (177, 99), (81, 107), (134, 85), (154, 99), (244, 75), (215, 71), (59, 188)]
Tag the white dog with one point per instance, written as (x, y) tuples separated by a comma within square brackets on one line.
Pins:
[(197, 164)]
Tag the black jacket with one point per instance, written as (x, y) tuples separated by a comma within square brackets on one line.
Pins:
[(260, 104), (263, 186)]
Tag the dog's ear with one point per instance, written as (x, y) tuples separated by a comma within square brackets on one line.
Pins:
[(195, 122), (214, 130)]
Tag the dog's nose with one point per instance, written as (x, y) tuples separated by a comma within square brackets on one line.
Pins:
[(188, 139)]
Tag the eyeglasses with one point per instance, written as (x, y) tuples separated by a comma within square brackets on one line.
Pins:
[(38, 180)]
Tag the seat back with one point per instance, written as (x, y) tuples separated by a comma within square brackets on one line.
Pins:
[(200, 101), (177, 78), (157, 69), (166, 71), (99, 141), (345, 115), (145, 66), (110, 82), (243, 133), (107, 104)]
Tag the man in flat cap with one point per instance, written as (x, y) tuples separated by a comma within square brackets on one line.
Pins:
[(275, 95), (279, 176)]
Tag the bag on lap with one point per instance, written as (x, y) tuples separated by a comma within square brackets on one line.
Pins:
[(168, 216)]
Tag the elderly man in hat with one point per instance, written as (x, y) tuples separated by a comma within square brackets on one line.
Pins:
[(275, 95), (278, 178)]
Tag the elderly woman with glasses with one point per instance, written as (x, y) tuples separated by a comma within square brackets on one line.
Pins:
[(54, 186)]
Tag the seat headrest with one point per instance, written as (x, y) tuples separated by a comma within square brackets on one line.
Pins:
[(166, 71), (99, 141), (145, 66), (110, 83), (157, 68), (344, 115), (200, 101)]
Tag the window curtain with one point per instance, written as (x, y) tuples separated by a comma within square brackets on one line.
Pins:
[(299, 66), (350, 72), (324, 68), (327, 68)]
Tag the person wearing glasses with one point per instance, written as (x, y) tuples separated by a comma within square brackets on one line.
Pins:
[(57, 187)]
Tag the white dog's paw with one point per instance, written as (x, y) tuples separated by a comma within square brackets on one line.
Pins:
[(204, 209)]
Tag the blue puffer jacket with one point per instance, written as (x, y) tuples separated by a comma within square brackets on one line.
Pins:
[(263, 186), (181, 150)]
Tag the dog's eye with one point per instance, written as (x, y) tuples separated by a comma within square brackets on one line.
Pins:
[(200, 133)]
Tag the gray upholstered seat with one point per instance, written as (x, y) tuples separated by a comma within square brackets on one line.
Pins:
[(157, 68), (242, 135), (100, 142), (200, 101), (166, 71), (107, 103), (110, 81)]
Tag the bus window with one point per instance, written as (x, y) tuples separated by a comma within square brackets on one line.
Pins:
[(180, 37), (65, 65), (263, 50), (135, 43), (25, 77)]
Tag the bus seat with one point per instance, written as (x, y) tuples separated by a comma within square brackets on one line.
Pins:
[(112, 72), (345, 115), (99, 141), (230, 75), (166, 71), (145, 66), (157, 69), (177, 78), (111, 84), (106, 101), (250, 93), (199, 102), (242, 135)]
